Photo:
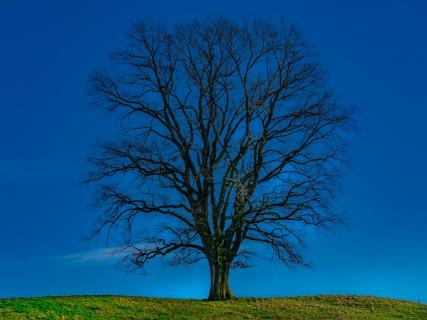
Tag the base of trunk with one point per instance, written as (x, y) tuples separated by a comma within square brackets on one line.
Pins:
[(223, 294), (220, 288)]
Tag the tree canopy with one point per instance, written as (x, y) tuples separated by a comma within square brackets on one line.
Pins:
[(229, 136)]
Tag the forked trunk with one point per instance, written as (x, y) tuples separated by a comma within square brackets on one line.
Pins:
[(220, 288)]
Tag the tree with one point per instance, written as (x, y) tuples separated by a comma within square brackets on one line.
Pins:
[(229, 137)]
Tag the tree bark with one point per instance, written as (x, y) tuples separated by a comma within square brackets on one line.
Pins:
[(220, 287)]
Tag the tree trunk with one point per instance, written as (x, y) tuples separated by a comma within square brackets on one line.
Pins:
[(220, 288)]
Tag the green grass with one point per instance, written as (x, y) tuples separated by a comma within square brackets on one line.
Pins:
[(304, 308)]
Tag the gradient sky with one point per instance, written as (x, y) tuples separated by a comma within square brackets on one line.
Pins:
[(376, 55)]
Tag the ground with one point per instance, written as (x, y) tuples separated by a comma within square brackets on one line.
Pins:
[(295, 308)]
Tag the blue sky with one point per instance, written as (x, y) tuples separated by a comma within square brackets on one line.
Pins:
[(375, 53)]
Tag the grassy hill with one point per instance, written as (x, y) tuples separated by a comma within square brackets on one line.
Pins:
[(304, 308)]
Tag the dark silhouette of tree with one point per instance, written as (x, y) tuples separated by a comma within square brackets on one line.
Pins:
[(228, 138)]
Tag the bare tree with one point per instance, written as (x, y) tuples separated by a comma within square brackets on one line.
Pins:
[(228, 138)]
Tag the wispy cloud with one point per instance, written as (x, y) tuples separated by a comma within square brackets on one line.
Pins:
[(94, 255), (98, 255)]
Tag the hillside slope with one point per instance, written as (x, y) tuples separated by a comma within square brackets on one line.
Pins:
[(295, 308)]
